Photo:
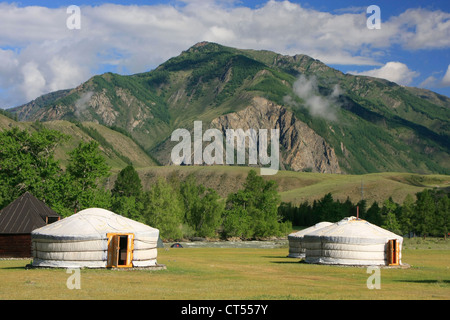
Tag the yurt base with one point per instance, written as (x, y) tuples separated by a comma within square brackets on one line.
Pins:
[(155, 267), (400, 266)]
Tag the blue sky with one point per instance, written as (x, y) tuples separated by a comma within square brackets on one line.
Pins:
[(39, 54)]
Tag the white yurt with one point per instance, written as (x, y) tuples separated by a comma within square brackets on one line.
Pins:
[(296, 240), (353, 241), (95, 238)]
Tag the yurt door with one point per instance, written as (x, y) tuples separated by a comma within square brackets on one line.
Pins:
[(120, 250), (393, 252)]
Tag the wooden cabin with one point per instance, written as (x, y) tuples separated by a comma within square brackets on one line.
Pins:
[(18, 220)]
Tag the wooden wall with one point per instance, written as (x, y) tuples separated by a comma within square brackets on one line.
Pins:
[(15, 246)]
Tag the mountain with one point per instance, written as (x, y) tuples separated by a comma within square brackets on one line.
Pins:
[(329, 121), (118, 148)]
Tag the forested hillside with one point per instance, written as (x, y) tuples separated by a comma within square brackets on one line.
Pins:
[(356, 124)]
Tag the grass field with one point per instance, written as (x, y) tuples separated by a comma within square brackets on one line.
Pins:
[(239, 274)]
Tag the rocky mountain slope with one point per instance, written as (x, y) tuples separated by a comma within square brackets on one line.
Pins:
[(329, 121), (303, 148)]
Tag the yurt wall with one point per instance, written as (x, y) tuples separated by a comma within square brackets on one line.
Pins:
[(353, 241), (296, 240)]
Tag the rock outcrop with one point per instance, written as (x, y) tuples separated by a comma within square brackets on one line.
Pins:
[(302, 148)]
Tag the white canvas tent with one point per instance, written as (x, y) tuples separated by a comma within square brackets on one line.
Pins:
[(95, 238), (296, 240), (353, 241)]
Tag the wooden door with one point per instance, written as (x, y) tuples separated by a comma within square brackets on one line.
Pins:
[(113, 251), (393, 252), (120, 250)]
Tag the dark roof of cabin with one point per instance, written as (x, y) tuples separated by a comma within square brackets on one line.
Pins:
[(25, 214)]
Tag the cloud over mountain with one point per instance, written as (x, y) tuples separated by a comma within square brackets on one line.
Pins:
[(319, 106), (393, 71), (44, 55)]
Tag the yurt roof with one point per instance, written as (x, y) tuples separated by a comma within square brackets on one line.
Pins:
[(92, 223), (353, 230), (315, 227)]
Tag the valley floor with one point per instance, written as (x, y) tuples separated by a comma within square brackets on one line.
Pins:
[(239, 274)]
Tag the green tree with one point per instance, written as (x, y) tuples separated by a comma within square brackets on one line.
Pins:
[(127, 183), (306, 214), (361, 207), (288, 212), (27, 164), (373, 214), (206, 217), (163, 210), (407, 215), (349, 209), (424, 213), (189, 192), (442, 220), (203, 209), (258, 204), (86, 166), (237, 223), (388, 212), (130, 207), (127, 194), (325, 208)]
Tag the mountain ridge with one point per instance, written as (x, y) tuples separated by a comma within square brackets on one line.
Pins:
[(377, 126)]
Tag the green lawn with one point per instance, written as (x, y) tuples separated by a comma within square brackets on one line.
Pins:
[(230, 273)]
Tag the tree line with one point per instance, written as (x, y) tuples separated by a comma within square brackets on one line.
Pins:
[(183, 209), (179, 209), (426, 215)]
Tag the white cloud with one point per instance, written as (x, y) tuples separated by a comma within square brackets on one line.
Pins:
[(137, 38), (422, 29), (33, 80), (429, 82), (446, 80), (319, 106), (219, 34), (434, 82), (8, 66), (393, 71), (82, 103)]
